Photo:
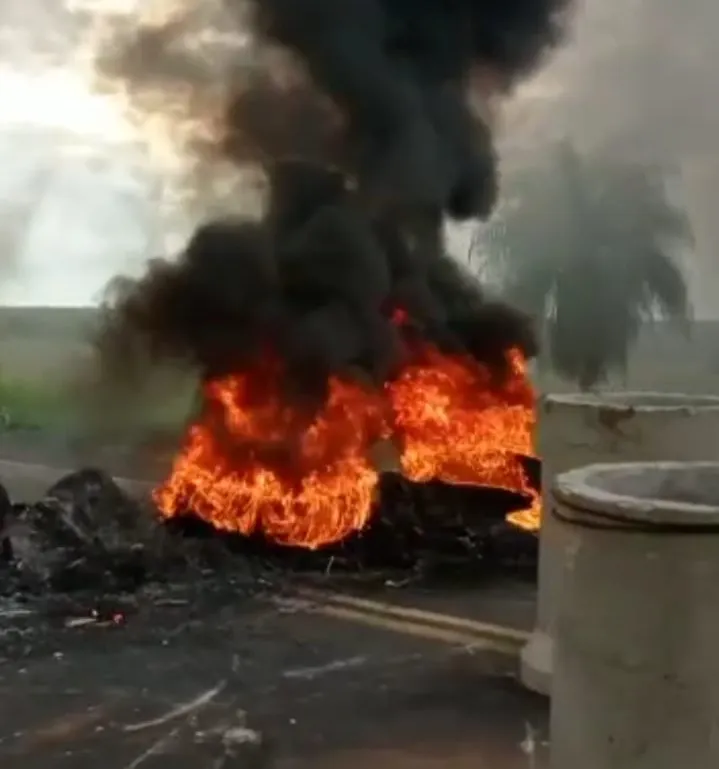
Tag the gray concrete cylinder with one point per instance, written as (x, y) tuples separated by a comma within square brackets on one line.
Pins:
[(636, 666), (579, 429)]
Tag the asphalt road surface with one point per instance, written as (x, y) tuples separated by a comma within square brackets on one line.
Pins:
[(221, 675)]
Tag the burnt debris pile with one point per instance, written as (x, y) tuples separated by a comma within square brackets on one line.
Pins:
[(425, 529), (86, 533)]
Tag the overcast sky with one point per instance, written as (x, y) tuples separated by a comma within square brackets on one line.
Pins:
[(76, 197), (71, 220)]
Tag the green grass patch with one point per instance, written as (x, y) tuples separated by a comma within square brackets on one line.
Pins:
[(52, 405), (33, 405)]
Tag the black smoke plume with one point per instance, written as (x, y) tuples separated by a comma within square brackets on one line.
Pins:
[(367, 139)]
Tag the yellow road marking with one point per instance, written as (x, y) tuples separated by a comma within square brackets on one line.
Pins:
[(446, 628), (485, 629), (416, 629)]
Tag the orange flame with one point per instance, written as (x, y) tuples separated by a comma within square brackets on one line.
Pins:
[(253, 464), (457, 426)]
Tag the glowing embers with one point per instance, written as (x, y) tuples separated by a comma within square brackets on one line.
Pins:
[(254, 464)]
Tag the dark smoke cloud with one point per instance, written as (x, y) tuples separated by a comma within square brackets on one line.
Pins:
[(364, 131), (400, 69)]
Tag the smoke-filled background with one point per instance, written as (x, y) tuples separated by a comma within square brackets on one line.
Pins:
[(368, 124), (633, 97), (637, 81), (637, 78)]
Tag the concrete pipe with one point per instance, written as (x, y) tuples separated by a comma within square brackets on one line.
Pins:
[(636, 669), (579, 429)]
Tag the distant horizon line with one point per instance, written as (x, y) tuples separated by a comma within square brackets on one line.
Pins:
[(96, 306)]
